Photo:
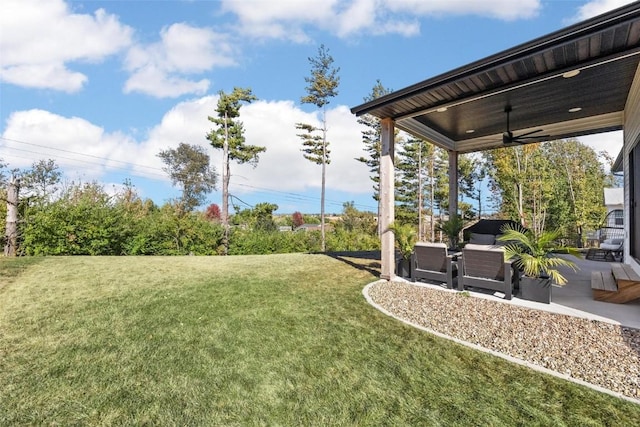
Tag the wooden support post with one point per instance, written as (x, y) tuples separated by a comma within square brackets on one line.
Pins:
[(11, 233), (387, 199), (453, 183)]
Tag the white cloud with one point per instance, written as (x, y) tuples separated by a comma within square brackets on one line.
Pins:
[(598, 7), (162, 69), (507, 10), (40, 39), (267, 123), (345, 18), (270, 124), (609, 142), (78, 146)]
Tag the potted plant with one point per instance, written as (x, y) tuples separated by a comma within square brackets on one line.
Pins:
[(537, 257), (406, 237), (452, 228)]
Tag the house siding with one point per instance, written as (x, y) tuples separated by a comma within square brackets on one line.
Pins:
[(631, 139)]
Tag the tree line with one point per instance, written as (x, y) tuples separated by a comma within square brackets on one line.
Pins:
[(73, 218), (553, 185)]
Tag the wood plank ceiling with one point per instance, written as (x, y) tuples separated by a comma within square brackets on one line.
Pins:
[(464, 110)]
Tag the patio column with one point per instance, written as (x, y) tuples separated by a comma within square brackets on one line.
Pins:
[(387, 199), (453, 183)]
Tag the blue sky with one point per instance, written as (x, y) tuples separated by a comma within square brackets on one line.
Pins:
[(102, 86)]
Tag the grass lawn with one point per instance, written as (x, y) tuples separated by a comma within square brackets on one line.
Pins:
[(252, 340)]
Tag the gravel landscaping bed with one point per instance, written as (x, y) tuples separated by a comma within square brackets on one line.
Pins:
[(599, 353)]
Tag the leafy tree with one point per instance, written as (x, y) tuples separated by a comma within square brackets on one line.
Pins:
[(580, 179), (228, 135), (259, 218), (213, 212), (188, 167), (354, 220), (297, 219), (42, 180), (322, 86), (549, 186)]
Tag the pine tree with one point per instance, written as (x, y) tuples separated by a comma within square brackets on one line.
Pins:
[(322, 86), (229, 137)]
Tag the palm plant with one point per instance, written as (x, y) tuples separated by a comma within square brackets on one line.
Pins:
[(452, 228), (534, 255), (406, 237)]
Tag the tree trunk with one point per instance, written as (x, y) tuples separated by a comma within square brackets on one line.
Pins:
[(225, 185), (324, 170), (11, 234)]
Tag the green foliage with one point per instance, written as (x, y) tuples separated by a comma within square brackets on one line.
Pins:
[(324, 80), (82, 222), (315, 144), (163, 232), (353, 220), (188, 167), (41, 181), (405, 236), (259, 218), (259, 242), (452, 228), (556, 185), (534, 254), (371, 137), (351, 240), (230, 131)]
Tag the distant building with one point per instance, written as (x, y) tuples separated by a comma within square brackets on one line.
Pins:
[(613, 198)]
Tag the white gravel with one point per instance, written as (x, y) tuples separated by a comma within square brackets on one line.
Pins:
[(598, 353)]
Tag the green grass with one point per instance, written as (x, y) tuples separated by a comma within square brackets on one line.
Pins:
[(252, 340)]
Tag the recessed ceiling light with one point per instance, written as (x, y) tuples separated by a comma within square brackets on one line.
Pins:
[(471, 131), (570, 74), (442, 109), (575, 109)]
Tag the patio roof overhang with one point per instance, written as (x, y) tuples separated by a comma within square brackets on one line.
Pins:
[(570, 83)]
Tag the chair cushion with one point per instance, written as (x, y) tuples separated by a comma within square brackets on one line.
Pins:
[(482, 239)]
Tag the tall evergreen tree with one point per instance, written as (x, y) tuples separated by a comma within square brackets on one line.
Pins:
[(229, 137), (371, 138), (322, 86)]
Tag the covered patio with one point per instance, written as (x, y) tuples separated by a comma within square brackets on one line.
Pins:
[(581, 80)]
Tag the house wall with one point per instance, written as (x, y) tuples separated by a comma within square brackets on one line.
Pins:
[(631, 138)]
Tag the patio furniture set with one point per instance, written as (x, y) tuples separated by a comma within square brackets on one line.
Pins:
[(475, 266), (480, 264)]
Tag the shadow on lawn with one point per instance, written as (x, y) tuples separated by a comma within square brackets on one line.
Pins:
[(12, 267), (362, 260)]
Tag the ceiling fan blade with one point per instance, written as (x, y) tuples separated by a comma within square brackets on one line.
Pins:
[(524, 135)]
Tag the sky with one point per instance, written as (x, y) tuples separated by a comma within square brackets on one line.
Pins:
[(101, 87)]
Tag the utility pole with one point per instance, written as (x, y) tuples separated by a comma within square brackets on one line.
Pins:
[(11, 233)]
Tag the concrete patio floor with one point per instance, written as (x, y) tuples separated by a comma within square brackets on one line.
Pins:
[(576, 299)]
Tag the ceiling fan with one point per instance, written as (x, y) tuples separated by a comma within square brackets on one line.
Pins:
[(509, 138)]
